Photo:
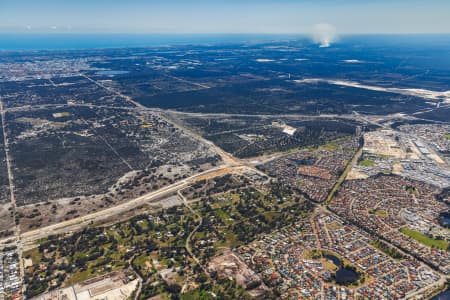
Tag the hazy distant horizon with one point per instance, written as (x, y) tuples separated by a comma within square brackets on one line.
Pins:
[(80, 41)]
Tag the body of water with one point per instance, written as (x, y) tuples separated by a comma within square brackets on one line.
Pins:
[(346, 275), (445, 295), (446, 221), (343, 275), (15, 42), (334, 259), (77, 41)]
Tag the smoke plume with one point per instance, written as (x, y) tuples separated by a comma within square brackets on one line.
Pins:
[(324, 35)]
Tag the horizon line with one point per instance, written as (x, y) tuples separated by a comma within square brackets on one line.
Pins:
[(213, 33)]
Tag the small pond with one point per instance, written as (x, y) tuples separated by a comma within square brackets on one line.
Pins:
[(344, 275), (445, 295), (445, 221)]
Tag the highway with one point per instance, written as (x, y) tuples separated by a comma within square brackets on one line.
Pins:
[(31, 237), (230, 164)]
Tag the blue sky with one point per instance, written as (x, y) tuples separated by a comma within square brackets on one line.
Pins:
[(226, 16)]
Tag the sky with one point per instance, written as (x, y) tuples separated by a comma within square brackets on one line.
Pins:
[(225, 16)]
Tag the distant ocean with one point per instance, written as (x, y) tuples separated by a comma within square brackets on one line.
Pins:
[(15, 42), (27, 41)]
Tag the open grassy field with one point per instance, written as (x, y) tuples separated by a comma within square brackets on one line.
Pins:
[(422, 238), (378, 212), (331, 146), (366, 163)]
